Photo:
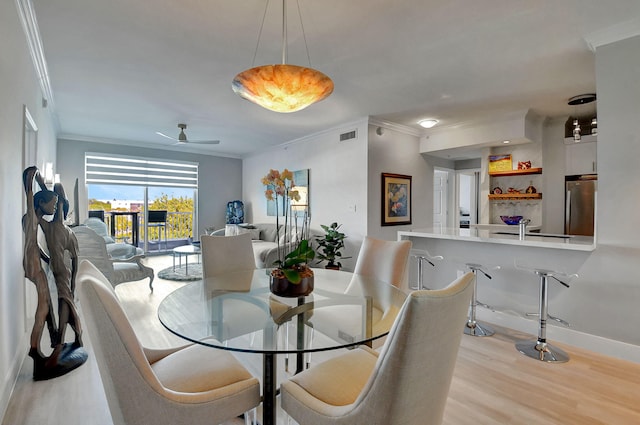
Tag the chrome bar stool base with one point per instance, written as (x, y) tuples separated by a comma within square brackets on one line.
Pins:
[(478, 329), (542, 351), (473, 327), (423, 257)]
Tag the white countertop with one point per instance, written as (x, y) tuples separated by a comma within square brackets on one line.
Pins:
[(541, 240), (504, 227)]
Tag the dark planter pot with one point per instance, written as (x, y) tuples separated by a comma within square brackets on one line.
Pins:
[(283, 288), (332, 267)]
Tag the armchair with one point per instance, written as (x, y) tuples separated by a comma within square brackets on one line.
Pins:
[(115, 249), (93, 247)]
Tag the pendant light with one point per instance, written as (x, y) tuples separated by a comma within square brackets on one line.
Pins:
[(283, 87), (576, 101), (576, 130)]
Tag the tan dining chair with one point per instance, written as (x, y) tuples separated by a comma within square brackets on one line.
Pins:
[(406, 383), (383, 260), (191, 384)]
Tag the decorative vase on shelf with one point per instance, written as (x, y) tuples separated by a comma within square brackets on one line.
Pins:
[(281, 286), (531, 188)]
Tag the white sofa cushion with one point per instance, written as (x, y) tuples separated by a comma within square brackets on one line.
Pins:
[(261, 250)]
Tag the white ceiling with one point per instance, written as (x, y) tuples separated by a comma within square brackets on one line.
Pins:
[(120, 70)]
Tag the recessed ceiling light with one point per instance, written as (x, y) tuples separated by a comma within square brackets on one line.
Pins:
[(506, 142), (428, 123)]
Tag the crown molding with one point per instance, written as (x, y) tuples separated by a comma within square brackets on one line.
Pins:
[(396, 127), (621, 31), (34, 42)]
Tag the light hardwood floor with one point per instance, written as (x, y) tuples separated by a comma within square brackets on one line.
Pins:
[(492, 384)]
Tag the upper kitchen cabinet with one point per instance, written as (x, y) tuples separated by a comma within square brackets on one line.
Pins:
[(580, 158)]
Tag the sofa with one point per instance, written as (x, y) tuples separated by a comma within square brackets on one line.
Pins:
[(263, 236)]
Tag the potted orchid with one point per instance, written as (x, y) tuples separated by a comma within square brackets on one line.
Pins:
[(292, 276)]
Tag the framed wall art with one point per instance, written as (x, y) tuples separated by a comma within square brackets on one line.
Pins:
[(301, 180), (396, 199)]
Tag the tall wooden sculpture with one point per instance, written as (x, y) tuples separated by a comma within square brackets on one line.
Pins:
[(62, 249)]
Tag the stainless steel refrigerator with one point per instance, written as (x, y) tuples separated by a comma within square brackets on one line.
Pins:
[(580, 203)]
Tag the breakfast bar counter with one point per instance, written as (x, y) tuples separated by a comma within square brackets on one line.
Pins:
[(513, 290), (504, 236)]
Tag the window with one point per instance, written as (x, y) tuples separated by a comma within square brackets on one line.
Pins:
[(125, 188)]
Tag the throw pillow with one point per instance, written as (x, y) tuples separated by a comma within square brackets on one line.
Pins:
[(291, 238)]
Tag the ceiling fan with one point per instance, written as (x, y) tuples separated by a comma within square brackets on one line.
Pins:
[(182, 138)]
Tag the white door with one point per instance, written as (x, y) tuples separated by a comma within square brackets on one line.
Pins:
[(440, 189)]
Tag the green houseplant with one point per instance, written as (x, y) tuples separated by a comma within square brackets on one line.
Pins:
[(329, 246), (292, 275)]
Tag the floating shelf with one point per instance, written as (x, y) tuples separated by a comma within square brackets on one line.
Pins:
[(515, 196), (515, 172)]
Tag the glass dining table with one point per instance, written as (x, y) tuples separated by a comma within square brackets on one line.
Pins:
[(238, 312)]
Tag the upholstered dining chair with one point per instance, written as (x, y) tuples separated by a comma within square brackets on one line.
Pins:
[(92, 247), (383, 260), (406, 383), (192, 384), (224, 254)]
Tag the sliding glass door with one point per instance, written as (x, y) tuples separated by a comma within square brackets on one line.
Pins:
[(147, 202)]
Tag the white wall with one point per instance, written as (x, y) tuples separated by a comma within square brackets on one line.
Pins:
[(398, 153), (220, 179), (337, 181), (553, 151), (345, 180), (18, 86)]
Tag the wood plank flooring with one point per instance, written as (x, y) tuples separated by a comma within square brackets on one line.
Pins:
[(492, 384)]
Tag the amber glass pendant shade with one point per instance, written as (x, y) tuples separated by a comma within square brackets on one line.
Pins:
[(282, 88)]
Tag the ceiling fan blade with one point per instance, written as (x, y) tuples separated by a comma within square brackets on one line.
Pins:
[(164, 135), (204, 142)]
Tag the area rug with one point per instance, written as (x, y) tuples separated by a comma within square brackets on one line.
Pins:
[(179, 274)]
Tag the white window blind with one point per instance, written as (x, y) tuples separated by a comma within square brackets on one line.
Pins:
[(132, 171)]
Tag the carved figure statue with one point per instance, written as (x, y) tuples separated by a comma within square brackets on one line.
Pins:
[(43, 204), (60, 240)]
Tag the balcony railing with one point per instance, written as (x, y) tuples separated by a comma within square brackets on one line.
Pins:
[(179, 227)]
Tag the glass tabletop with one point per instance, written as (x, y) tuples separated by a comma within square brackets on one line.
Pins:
[(237, 312), (187, 249)]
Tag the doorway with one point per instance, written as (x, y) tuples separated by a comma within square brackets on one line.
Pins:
[(467, 189), (441, 198)]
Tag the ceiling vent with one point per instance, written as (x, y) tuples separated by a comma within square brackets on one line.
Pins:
[(348, 135)]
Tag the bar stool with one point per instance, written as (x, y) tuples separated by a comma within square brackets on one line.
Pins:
[(540, 349), (473, 327), (421, 257)]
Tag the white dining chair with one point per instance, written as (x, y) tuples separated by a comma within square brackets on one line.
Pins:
[(224, 254), (191, 384), (380, 261), (406, 383), (383, 260)]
